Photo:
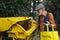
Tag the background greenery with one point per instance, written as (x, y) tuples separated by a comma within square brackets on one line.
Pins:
[(14, 8)]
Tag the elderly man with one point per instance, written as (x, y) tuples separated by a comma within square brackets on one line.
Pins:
[(44, 16)]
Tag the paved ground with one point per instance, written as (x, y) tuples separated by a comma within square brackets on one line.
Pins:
[(35, 35)]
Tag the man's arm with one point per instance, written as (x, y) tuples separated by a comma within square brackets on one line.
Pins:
[(51, 19)]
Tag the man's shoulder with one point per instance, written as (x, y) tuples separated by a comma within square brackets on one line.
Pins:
[(50, 13)]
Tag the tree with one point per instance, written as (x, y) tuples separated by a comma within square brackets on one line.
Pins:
[(14, 8)]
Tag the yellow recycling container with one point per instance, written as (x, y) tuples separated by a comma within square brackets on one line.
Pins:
[(18, 28)]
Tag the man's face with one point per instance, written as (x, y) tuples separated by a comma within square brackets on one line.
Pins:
[(40, 11)]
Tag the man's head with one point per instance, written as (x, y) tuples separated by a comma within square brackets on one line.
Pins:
[(40, 8)]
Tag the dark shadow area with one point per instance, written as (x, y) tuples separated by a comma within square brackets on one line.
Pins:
[(25, 24)]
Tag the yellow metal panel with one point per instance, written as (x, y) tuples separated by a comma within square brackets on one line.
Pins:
[(29, 32), (19, 32), (6, 23)]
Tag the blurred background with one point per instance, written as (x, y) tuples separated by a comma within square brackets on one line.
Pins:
[(10, 8)]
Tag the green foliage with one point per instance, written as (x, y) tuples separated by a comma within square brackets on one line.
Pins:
[(14, 8)]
